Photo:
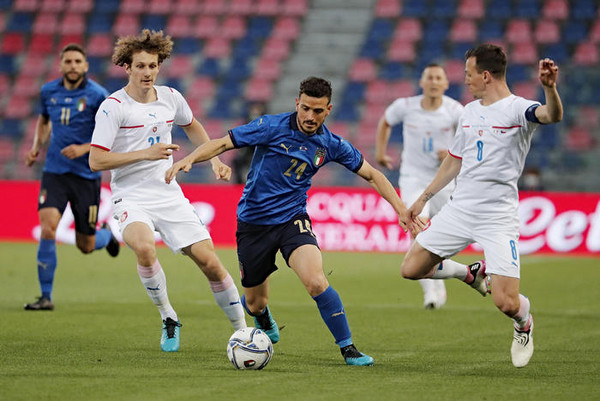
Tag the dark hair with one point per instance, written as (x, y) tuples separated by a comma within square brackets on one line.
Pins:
[(72, 47), (316, 87), (151, 42), (431, 65), (489, 58)]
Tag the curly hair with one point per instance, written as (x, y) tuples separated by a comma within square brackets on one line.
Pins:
[(315, 87), (151, 42)]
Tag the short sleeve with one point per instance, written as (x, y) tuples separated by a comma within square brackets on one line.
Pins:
[(458, 143), (522, 106), (42, 105), (347, 155), (395, 112), (183, 114), (254, 133), (107, 125)]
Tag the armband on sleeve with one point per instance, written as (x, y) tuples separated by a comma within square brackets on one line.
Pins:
[(530, 114)]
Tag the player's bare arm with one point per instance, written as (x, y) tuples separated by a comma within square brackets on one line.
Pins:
[(383, 136), (202, 153), (101, 159), (198, 136), (75, 150), (552, 111), (448, 171), (43, 129)]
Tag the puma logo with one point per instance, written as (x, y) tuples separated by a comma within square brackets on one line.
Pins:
[(337, 314), (287, 150)]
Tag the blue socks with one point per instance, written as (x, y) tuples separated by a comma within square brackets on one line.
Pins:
[(334, 316), (46, 264), (103, 237)]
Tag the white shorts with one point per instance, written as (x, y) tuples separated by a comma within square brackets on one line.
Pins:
[(451, 231), (411, 188), (176, 221)]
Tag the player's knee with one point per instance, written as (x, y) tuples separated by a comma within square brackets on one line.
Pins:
[(407, 271), (316, 286), (146, 254), (48, 232), (85, 248)]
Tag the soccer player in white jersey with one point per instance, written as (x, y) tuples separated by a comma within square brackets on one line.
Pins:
[(487, 155), (132, 138), (429, 122)]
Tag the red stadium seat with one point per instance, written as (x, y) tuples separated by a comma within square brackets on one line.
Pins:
[(589, 116), (286, 28), (594, 35), (340, 128), (13, 43), (214, 7), (471, 9), (408, 29), (579, 138), (202, 87), (267, 69), (555, 9), (80, 6), (217, 47), (586, 54), (528, 90), (45, 23), (294, 8), (126, 24), (7, 151), (42, 43), (4, 83), (401, 88), (18, 106), (378, 92), (206, 27), (463, 30), (401, 50), (519, 31), (100, 44), (179, 66), (34, 65), (72, 24), (132, 6), (276, 48), (26, 86), (114, 71), (160, 7), (547, 32), (25, 5), (524, 53), (52, 6), (179, 26), (241, 7), (67, 39), (187, 7), (363, 70), (267, 7), (455, 71), (258, 90), (233, 27), (388, 8)]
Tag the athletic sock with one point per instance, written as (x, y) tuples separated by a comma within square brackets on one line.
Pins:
[(103, 237), (46, 265), (228, 298), (427, 284), (523, 318), (155, 282), (333, 314), (451, 269)]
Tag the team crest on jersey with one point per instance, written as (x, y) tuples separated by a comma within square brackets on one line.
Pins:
[(81, 104), (319, 156), (480, 132), (154, 129)]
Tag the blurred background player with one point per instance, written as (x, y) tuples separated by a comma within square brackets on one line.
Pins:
[(488, 155), (290, 150), (429, 122), (133, 139), (68, 106)]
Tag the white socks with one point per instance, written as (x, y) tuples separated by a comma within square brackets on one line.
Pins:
[(228, 298), (522, 317), (450, 269), (154, 280)]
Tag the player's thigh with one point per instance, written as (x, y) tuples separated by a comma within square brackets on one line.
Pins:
[(84, 196), (448, 233), (257, 247), (307, 263), (178, 224), (418, 262), (501, 248), (140, 238)]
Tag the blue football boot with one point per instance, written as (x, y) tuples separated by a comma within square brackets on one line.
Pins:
[(266, 323), (352, 356), (169, 342)]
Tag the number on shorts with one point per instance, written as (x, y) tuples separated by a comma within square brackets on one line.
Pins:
[(304, 227), (153, 140), (479, 150), (513, 249)]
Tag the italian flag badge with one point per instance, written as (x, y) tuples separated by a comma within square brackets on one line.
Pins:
[(319, 157), (81, 104)]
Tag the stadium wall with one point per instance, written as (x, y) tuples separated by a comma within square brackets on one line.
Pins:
[(344, 219)]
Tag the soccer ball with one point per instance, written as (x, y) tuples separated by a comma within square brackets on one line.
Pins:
[(249, 348)]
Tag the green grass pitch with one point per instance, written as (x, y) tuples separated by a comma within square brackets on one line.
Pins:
[(102, 340)]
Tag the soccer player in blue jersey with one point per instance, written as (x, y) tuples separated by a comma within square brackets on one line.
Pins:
[(290, 149), (68, 108)]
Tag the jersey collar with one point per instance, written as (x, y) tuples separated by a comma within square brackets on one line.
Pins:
[(294, 125)]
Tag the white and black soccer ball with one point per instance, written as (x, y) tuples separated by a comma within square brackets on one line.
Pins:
[(249, 348)]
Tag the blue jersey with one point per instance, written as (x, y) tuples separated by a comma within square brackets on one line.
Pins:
[(72, 114), (284, 162)]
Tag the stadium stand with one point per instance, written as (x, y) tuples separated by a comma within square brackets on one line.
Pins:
[(228, 53)]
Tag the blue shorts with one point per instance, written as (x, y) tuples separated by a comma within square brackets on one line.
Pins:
[(84, 195), (257, 246)]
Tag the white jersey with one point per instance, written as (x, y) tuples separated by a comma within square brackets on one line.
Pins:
[(125, 125), (425, 133), (493, 142)]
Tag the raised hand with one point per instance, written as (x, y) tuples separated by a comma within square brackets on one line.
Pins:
[(548, 72)]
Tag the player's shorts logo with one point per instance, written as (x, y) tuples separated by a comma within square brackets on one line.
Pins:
[(427, 225), (43, 196), (124, 216), (319, 156)]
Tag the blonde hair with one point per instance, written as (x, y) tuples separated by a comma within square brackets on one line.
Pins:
[(151, 42)]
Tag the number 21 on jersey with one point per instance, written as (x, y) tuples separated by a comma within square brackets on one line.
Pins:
[(153, 140)]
